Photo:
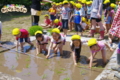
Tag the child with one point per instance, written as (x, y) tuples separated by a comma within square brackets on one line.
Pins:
[(115, 29), (57, 24), (117, 5), (76, 48), (71, 20), (96, 46), (21, 34), (41, 42), (65, 14), (57, 42), (89, 7), (83, 8), (47, 22), (83, 24), (52, 12), (96, 14), (0, 31), (77, 19), (110, 16)]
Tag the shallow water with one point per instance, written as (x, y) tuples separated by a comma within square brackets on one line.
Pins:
[(55, 68)]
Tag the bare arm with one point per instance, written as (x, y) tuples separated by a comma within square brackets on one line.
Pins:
[(49, 49), (91, 60), (108, 47), (74, 58)]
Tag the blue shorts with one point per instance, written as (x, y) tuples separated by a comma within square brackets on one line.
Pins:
[(52, 17), (64, 24), (109, 20), (21, 40), (78, 28)]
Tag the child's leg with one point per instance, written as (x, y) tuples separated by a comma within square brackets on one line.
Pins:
[(60, 46), (110, 37), (104, 55), (45, 48), (28, 41), (93, 26)]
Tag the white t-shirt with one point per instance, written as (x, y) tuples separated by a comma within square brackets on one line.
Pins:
[(84, 25), (45, 40), (62, 38), (65, 13)]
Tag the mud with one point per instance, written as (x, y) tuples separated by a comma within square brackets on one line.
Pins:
[(28, 67)]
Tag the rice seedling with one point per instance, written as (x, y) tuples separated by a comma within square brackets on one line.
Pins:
[(28, 59), (67, 78), (44, 76), (27, 66)]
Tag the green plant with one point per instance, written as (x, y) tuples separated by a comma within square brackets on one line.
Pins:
[(66, 78), (33, 29), (44, 76), (27, 66)]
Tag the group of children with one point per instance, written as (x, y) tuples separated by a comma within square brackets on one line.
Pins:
[(71, 14), (58, 41)]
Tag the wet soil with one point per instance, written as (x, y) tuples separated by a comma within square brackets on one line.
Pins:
[(28, 67)]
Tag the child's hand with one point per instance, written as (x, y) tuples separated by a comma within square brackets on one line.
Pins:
[(75, 64), (111, 49)]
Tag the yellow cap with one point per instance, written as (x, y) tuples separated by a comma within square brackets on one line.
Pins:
[(56, 30), (88, 2), (106, 1), (83, 19), (65, 1), (57, 4), (83, 1), (16, 31), (92, 42), (112, 5), (75, 37), (56, 20), (46, 15), (91, 2), (79, 0), (78, 5), (40, 32), (72, 2)]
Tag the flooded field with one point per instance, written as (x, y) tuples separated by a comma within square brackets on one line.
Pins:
[(56, 68)]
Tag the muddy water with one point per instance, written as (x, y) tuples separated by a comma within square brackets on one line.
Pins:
[(55, 68)]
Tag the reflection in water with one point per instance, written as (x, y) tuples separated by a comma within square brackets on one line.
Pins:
[(56, 68)]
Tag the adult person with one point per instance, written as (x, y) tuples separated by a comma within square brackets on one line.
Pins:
[(36, 10), (96, 14)]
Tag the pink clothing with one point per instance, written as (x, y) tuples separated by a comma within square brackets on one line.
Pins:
[(59, 24), (24, 34), (45, 40), (47, 21), (101, 46), (111, 13)]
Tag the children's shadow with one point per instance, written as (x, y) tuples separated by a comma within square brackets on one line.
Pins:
[(99, 63), (7, 43), (83, 60), (66, 54), (28, 48)]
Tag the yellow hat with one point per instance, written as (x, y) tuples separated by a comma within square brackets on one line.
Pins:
[(79, 0), (92, 42), (88, 2), (38, 32), (78, 5), (57, 4), (56, 30), (65, 1), (75, 37), (56, 20), (16, 31), (72, 2), (46, 15), (112, 5), (83, 19), (83, 1), (91, 2), (106, 1)]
